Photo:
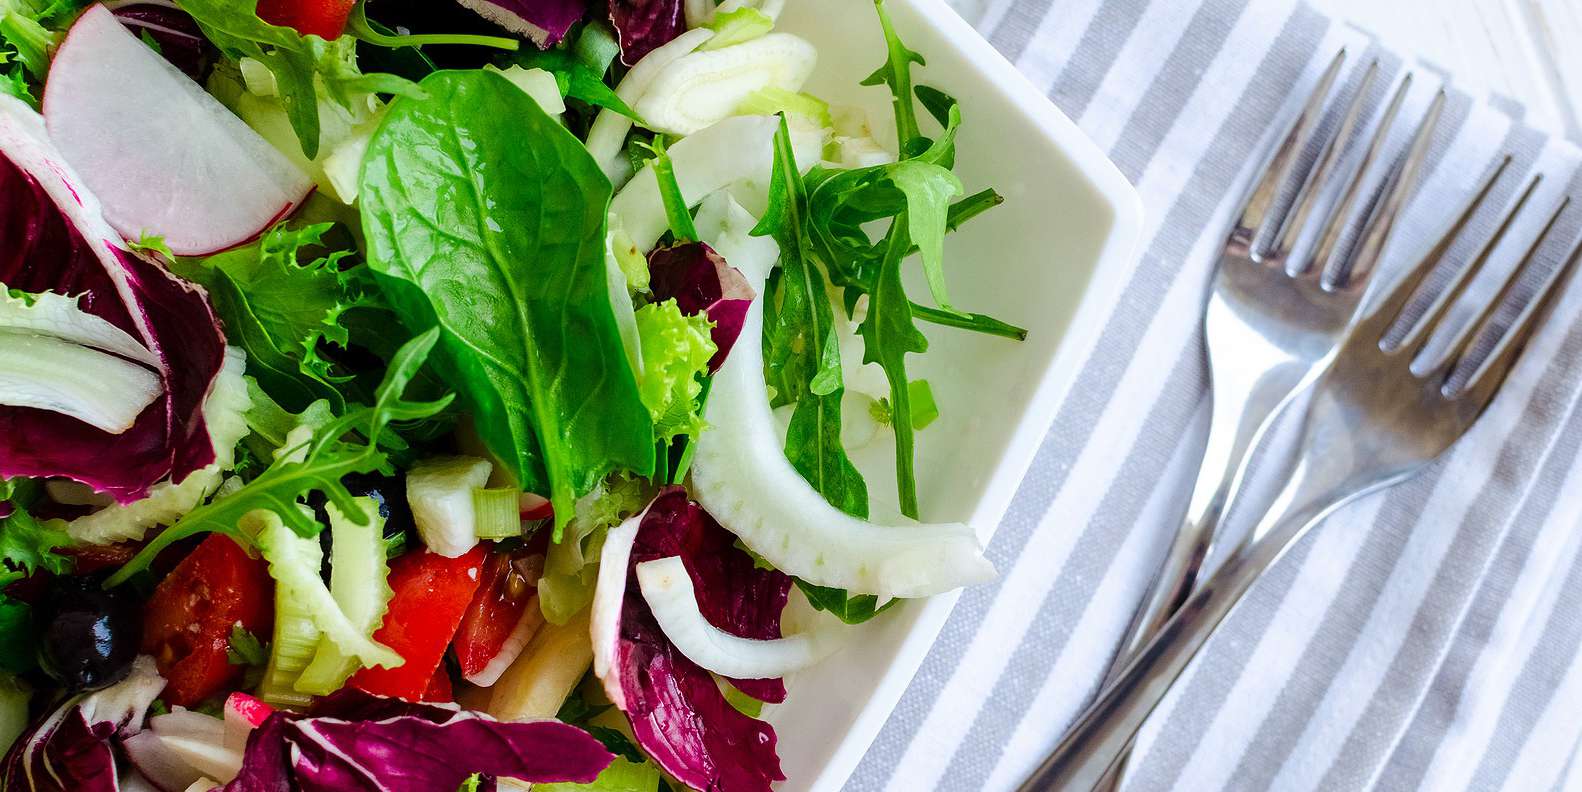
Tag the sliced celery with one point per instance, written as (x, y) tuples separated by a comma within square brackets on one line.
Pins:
[(358, 583)]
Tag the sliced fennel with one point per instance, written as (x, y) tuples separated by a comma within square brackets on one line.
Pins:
[(743, 23), (224, 414), (97, 388), (294, 563), (733, 149), (608, 594), (440, 493), (59, 316), (728, 228), (773, 99), (667, 588), (741, 476), (608, 132), (358, 583), (618, 273), (536, 83), (701, 88)]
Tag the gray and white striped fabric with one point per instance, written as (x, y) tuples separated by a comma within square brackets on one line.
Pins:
[(1424, 638)]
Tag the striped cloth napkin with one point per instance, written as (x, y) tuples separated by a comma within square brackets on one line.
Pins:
[(1426, 637)]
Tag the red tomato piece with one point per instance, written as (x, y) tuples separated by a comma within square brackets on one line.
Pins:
[(439, 688), (325, 18), (510, 577), (430, 594), (188, 621)]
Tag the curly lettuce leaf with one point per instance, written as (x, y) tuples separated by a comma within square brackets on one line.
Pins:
[(280, 304), (676, 353), (486, 217)]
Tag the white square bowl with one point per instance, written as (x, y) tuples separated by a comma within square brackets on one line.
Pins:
[(1051, 259)]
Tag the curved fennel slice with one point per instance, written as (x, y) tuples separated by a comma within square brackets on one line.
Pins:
[(668, 590), (741, 476), (604, 623)]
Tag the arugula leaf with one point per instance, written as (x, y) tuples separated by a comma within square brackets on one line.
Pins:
[(897, 73), (801, 352), (578, 79), (888, 334), (842, 605), (929, 189), (676, 210), (978, 323), (486, 217), (358, 26), (339, 447)]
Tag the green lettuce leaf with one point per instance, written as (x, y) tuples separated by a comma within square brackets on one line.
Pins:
[(486, 217), (676, 353)]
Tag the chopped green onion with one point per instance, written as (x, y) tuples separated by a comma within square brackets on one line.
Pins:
[(496, 513)]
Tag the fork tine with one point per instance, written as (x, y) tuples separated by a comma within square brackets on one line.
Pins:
[(1261, 199), (1402, 182), (1379, 320), (1425, 328), (1486, 382), (1334, 145), (1335, 223), (1463, 341)]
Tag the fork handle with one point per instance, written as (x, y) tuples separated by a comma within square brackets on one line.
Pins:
[(1101, 737)]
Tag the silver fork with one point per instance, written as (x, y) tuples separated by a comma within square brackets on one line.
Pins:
[(1269, 332), (1373, 422)]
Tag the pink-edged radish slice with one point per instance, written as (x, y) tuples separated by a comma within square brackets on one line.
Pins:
[(163, 156), (243, 713)]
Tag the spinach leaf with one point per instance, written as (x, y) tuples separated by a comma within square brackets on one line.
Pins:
[(485, 217), (801, 352)]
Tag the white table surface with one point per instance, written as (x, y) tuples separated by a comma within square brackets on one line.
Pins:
[(1523, 51)]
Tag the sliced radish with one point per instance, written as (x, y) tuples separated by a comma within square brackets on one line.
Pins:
[(243, 713), (158, 763), (163, 156), (667, 588)]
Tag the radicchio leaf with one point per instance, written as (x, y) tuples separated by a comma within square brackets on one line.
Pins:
[(700, 281), (543, 21), (69, 750), (677, 711), (643, 25), (56, 240), (388, 745), (178, 36)]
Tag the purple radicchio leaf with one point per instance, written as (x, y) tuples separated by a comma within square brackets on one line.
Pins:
[(353, 704), (701, 281), (176, 33), (56, 240), (69, 750), (545, 22), (644, 25), (677, 711), (412, 748)]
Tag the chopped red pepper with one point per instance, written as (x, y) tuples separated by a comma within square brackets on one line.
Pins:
[(325, 18), (188, 621), (430, 594)]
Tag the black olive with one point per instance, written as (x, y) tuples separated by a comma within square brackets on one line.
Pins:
[(90, 634)]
